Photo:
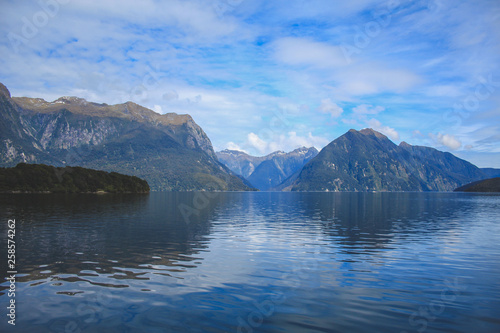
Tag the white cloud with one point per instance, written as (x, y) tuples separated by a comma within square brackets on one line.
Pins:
[(327, 106), (447, 140), (284, 142), (373, 78), (157, 109), (368, 109), (255, 142), (233, 146), (377, 126), (301, 51), (292, 141)]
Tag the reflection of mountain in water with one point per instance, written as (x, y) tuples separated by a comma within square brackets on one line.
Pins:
[(132, 263), (81, 237), (358, 220), (350, 220)]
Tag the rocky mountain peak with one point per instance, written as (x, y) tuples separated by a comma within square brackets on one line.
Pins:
[(404, 144), (368, 161), (181, 127), (170, 151), (232, 152), (70, 100), (305, 150), (4, 91), (370, 131)]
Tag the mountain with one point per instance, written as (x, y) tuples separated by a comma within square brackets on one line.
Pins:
[(239, 162), (280, 166), (486, 185), (268, 171), (367, 160), (170, 151), (491, 172), (46, 178)]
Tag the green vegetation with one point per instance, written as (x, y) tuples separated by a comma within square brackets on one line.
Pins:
[(44, 178), (487, 185)]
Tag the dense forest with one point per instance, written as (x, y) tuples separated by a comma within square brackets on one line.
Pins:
[(44, 178), (487, 185)]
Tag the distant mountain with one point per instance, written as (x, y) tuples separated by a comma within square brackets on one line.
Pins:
[(170, 151), (486, 185), (239, 162), (280, 166), (367, 160), (46, 178), (491, 172), (268, 171)]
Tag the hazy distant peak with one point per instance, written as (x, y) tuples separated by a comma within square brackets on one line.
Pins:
[(304, 149), (232, 152), (275, 153)]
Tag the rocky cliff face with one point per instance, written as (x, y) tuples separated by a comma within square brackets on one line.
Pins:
[(17, 143), (368, 161), (180, 127), (170, 151)]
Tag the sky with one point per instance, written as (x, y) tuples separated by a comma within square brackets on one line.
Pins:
[(261, 76)]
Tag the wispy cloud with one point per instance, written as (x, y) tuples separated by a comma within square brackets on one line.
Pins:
[(377, 125), (331, 108), (368, 109), (301, 51)]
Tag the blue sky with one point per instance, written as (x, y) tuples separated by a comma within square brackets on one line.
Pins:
[(273, 75)]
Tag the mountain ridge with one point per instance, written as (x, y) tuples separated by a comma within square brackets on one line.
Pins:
[(170, 151), (177, 126), (367, 160), (266, 172)]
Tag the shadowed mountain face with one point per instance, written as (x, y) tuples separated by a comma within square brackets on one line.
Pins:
[(170, 151), (268, 171), (368, 161)]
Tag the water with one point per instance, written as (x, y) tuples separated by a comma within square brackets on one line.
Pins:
[(254, 262)]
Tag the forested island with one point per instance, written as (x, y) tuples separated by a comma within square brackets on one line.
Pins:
[(487, 185), (40, 178)]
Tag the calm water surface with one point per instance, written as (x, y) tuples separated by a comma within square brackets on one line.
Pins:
[(254, 262)]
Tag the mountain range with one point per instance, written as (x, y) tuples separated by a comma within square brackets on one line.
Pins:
[(363, 160), (170, 151), (268, 171), (367, 160)]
